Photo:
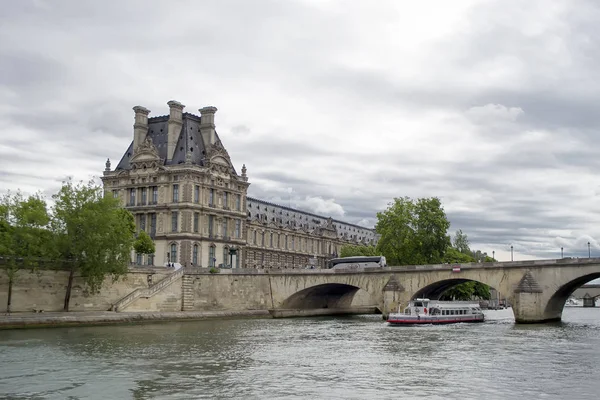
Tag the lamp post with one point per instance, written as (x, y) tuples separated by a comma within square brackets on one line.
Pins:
[(561, 252), (511, 252), (494, 255), (589, 251), (168, 259)]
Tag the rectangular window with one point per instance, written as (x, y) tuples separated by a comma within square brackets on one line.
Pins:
[(225, 233), (138, 260), (196, 194), (238, 224), (195, 255), (174, 218), (293, 248), (271, 239), (226, 257), (211, 197), (254, 238), (144, 196), (132, 197), (211, 256), (142, 222), (238, 202), (154, 195), (152, 225), (225, 200), (173, 256), (210, 226), (115, 194), (150, 259), (196, 221), (175, 193)]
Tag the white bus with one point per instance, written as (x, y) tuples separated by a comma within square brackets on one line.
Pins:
[(358, 262)]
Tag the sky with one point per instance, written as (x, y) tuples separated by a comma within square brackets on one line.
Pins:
[(335, 107)]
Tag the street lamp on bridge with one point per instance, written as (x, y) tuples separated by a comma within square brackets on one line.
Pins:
[(511, 252), (589, 251), (561, 252), (494, 255)]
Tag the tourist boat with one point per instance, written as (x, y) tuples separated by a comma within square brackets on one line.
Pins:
[(425, 311)]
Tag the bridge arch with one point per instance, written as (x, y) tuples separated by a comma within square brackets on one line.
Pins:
[(328, 295), (435, 290), (556, 303)]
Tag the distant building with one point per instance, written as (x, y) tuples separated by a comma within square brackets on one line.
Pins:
[(178, 180)]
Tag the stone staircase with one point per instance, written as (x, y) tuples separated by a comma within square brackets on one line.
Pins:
[(187, 301), (148, 292)]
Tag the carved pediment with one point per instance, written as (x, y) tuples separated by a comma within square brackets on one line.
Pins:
[(218, 160), (145, 155)]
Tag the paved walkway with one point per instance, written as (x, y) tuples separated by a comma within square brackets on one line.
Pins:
[(50, 319)]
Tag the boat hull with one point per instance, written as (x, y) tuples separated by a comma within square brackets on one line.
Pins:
[(407, 320)]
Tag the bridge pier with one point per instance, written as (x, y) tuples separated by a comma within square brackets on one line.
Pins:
[(531, 308)]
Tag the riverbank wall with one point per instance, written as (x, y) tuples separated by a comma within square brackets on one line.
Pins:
[(89, 318), (149, 289)]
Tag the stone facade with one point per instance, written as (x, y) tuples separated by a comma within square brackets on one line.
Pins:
[(180, 184)]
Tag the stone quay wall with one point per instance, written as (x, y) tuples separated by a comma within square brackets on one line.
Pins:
[(198, 290), (44, 290)]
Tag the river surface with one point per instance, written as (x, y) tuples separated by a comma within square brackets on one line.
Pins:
[(357, 357)]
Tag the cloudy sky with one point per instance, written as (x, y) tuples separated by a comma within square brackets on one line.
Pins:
[(335, 107)]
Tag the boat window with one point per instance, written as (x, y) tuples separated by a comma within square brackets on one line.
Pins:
[(418, 304)]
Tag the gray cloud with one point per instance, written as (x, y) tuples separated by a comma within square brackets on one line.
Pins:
[(490, 107)]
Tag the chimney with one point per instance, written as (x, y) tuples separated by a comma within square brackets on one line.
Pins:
[(207, 124), (175, 124), (140, 126)]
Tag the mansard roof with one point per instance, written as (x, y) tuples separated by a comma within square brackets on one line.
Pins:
[(189, 139), (286, 215)]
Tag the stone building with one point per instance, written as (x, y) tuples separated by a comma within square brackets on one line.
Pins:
[(178, 181)]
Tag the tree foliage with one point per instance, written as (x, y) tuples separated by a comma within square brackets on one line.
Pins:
[(349, 250), (461, 242), (93, 232), (461, 253), (413, 232), (24, 235), (144, 244)]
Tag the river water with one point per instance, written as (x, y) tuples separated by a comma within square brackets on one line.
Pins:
[(357, 357)]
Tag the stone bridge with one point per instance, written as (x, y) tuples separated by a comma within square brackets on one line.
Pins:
[(537, 290)]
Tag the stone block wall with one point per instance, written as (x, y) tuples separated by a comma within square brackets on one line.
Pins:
[(230, 292), (45, 290)]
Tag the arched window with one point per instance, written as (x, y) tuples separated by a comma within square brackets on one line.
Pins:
[(226, 257), (195, 255), (173, 253), (211, 255)]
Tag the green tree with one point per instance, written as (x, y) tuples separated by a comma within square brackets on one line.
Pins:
[(144, 244), (349, 250), (453, 256), (413, 232), (93, 233), (467, 291), (461, 253), (461, 242), (24, 236)]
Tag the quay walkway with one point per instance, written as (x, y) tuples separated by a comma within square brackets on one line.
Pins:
[(75, 318)]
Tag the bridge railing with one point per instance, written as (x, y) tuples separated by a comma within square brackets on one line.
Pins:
[(427, 267)]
